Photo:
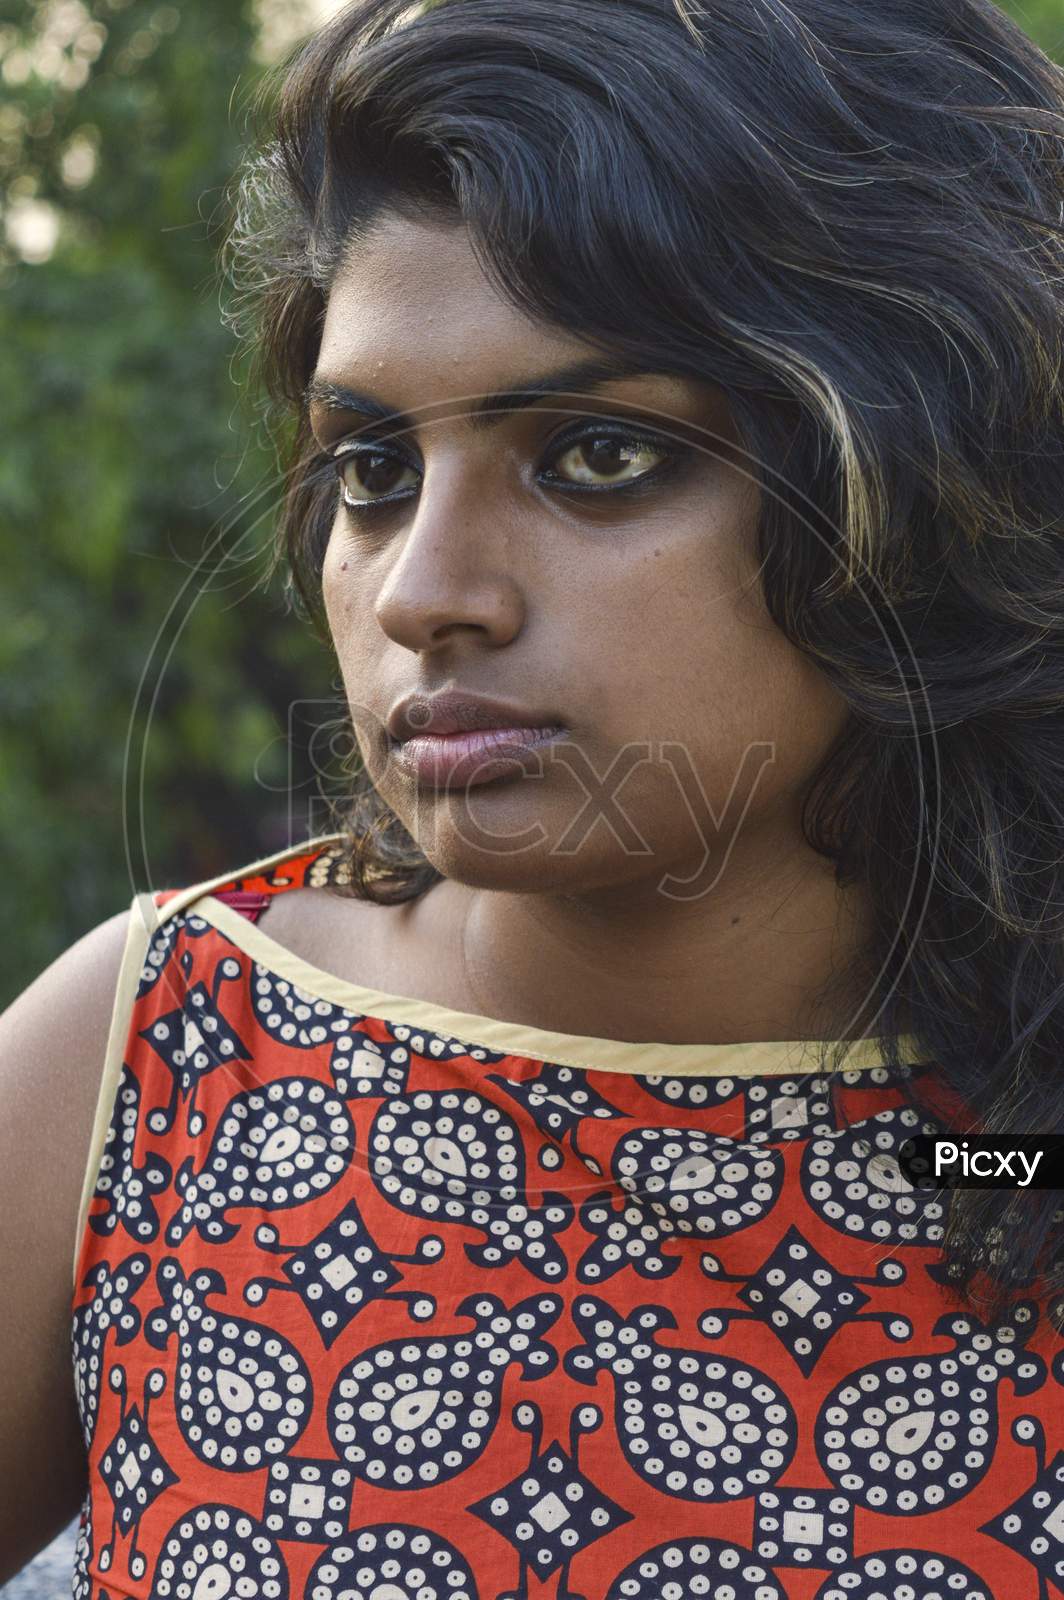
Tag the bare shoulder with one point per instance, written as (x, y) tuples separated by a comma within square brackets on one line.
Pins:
[(75, 982), (360, 941), (399, 949), (53, 1040)]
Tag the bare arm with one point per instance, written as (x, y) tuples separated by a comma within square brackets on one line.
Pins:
[(53, 1040)]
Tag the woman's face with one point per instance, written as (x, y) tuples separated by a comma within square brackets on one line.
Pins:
[(567, 547)]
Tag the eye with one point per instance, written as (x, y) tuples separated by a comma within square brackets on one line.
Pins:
[(601, 460), (370, 474)]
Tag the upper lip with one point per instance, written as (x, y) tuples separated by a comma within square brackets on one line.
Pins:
[(458, 711)]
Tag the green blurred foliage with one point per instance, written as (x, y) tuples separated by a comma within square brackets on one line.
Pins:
[(136, 490), (1043, 20), (145, 698)]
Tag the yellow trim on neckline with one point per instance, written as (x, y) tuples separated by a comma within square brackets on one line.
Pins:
[(769, 1058)]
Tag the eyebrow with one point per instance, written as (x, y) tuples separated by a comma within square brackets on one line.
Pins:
[(490, 409)]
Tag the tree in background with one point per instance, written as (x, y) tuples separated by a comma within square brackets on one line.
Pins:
[(162, 712), (146, 674)]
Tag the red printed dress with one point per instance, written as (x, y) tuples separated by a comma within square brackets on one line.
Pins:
[(376, 1300)]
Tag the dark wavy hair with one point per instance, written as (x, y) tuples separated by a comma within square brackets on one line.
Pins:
[(851, 219)]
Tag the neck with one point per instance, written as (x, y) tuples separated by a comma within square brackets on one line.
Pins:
[(749, 961)]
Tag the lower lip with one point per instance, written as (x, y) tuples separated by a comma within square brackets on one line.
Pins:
[(440, 759)]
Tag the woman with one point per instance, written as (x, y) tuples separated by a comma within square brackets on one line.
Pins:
[(675, 392)]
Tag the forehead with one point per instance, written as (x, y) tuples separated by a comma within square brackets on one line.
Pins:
[(411, 303), (414, 324)]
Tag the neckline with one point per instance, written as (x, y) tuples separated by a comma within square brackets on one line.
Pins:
[(583, 1052)]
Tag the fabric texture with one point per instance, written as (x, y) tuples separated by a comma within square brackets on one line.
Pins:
[(367, 1310)]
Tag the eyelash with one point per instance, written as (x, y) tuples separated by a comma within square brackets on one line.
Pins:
[(674, 455)]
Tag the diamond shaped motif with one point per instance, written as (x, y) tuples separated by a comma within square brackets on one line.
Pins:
[(134, 1470), (789, 1111), (802, 1298), (793, 1109), (363, 1068), (339, 1272), (550, 1512), (1033, 1525), (308, 1502), (192, 1040), (804, 1528)]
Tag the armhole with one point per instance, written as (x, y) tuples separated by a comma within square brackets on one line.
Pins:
[(143, 918)]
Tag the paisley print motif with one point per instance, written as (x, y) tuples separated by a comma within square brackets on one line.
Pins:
[(367, 1307), (453, 1157), (910, 1435), (274, 1147), (693, 1424), (243, 1392), (682, 1182), (853, 1179), (420, 1411)]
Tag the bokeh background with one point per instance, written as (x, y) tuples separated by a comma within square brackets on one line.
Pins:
[(164, 715)]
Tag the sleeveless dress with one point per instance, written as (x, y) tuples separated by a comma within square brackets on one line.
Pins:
[(376, 1300)]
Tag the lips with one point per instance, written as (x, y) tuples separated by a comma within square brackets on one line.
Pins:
[(455, 737), (444, 760), (456, 711)]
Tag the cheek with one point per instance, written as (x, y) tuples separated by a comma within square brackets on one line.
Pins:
[(335, 581), (718, 676), (780, 718), (346, 601), (754, 686), (348, 615)]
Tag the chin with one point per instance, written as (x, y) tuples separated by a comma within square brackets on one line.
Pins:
[(535, 870)]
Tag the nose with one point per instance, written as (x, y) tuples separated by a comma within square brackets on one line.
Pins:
[(452, 573)]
